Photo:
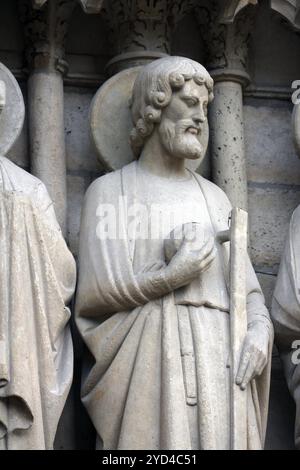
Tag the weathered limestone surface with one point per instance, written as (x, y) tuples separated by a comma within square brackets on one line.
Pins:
[(38, 275), (273, 65), (267, 283), (227, 133), (271, 155), (77, 185), (19, 151), (270, 211), (286, 300), (154, 307), (45, 29), (46, 99), (226, 31), (81, 154)]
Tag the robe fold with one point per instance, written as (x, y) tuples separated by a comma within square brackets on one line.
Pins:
[(37, 281), (286, 314), (149, 373)]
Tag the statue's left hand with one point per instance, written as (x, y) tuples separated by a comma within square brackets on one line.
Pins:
[(254, 354)]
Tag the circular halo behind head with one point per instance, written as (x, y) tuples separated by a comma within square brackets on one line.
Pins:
[(296, 127), (12, 115), (111, 122)]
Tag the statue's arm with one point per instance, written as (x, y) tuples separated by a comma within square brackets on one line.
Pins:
[(62, 259), (107, 283), (286, 298), (182, 269), (257, 345), (98, 293), (285, 310), (46, 206), (285, 314), (257, 312)]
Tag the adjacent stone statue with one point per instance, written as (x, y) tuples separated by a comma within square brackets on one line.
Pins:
[(286, 314), (153, 298), (37, 280), (286, 301)]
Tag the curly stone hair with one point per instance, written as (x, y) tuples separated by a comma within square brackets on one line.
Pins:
[(153, 89)]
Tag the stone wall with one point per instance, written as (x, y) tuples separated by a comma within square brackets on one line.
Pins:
[(272, 165)]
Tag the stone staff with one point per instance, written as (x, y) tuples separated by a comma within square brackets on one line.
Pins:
[(237, 235), (4, 300)]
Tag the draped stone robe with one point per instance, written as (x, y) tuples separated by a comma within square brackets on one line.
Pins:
[(286, 313), (140, 386), (37, 280)]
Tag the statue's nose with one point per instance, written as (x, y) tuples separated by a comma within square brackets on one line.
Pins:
[(199, 118), (199, 114)]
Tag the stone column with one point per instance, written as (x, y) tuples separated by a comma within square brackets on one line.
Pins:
[(227, 140), (226, 36), (141, 30), (45, 26)]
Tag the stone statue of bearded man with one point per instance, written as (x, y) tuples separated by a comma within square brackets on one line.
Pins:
[(153, 301)]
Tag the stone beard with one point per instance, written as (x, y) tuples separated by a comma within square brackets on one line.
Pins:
[(155, 317), (178, 141)]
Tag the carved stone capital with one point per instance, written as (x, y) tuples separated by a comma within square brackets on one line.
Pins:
[(288, 9), (88, 6), (143, 26), (225, 28), (45, 27), (231, 8), (37, 4), (91, 6)]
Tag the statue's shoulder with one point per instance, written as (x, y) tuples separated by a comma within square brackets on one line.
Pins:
[(104, 182), (211, 189), (295, 220), (296, 214), (26, 184), (23, 180), (105, 188), (111, 183)]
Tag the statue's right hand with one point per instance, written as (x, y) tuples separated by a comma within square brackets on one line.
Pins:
[(190, 261)]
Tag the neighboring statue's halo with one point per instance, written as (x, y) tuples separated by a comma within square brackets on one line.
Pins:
[(296, 127), (12, 116), (110, 121)]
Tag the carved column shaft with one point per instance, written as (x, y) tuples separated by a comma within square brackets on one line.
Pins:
[(226, 38), (45, 31), (227, 141), (47, 140)]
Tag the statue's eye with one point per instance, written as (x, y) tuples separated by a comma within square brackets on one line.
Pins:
[(190, 100)]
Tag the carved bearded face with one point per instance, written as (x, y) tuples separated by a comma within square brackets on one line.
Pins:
[(182, 121)]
